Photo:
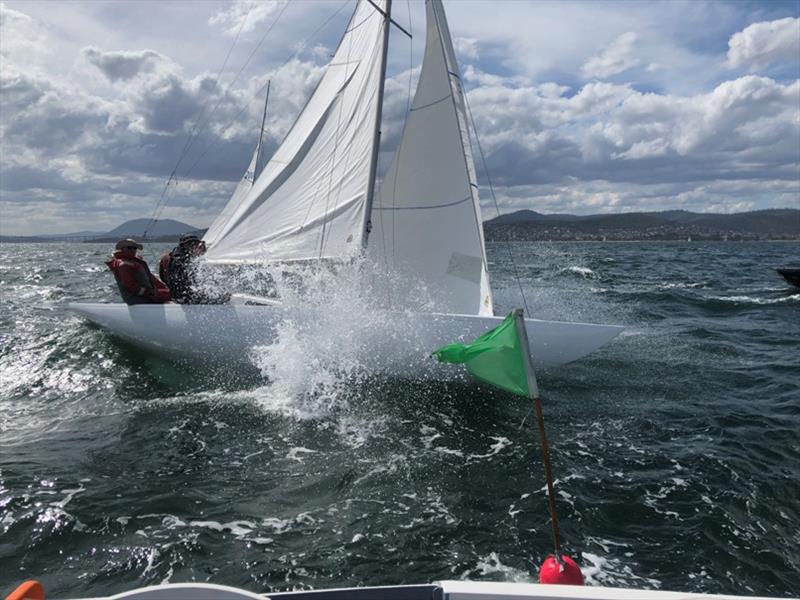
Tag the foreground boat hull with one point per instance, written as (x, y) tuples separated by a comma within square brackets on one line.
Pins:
[(390, 342), (442, 590)]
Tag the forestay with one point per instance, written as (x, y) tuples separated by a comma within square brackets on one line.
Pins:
[(426, 217), (309, 200)]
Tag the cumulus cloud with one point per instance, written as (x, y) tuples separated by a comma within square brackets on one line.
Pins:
[(121, 65), (764, 43), (746, 127), (619, 56), (246, 15)]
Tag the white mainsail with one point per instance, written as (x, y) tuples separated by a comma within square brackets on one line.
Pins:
[(308, 201), (426, 223)]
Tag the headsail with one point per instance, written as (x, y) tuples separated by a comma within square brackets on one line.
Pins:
[(308, 201), (426, 223)]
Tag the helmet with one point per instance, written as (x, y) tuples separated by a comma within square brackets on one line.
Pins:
[(128, 243), (189, 239)]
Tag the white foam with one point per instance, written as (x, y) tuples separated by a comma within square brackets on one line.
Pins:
[(315, 363), (490, 565), (756, 300), (297, 452), (500, 444), (578, 270)]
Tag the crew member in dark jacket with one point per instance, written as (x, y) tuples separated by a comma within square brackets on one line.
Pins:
[(179, 269), (136, 283)]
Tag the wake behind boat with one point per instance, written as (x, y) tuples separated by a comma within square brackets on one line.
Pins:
[(316, 200)]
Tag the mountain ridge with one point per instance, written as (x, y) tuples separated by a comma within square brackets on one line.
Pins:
[(163, 230), (529, 225)]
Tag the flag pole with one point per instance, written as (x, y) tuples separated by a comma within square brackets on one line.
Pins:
[(533, 394)]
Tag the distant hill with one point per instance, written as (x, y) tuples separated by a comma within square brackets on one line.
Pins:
[(163, 227), (528, 225), (163, 230)]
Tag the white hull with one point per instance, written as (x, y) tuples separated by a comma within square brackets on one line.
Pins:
[(396, 343)]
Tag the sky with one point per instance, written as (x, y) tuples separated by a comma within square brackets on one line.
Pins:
[(580, 107)]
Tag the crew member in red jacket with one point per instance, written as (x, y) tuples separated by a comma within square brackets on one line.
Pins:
[(137, 284)]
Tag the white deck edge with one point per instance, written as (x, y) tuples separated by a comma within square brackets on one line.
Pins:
[(478, 590)]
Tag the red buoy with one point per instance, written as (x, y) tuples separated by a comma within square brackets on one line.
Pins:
[(566, 573)]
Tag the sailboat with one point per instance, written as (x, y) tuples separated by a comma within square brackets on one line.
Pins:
[(315, 200)]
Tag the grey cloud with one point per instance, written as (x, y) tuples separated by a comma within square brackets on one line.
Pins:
[(54, 124), (122, 65), (18, 92), (168, 104), (25, 177)]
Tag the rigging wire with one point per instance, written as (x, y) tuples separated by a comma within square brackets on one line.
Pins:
[(161, 204), (496, 205), (258, 93), (189, 140)]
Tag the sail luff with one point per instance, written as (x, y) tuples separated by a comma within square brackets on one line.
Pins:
[(260, 151), (373, 170), (454, 71)]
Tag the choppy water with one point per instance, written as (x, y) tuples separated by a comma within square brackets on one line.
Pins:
[(676, 448)]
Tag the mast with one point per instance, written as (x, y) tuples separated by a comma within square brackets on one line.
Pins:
[(259, 153), (373, 169)]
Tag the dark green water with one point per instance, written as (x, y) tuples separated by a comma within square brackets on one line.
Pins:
[(676, 447)]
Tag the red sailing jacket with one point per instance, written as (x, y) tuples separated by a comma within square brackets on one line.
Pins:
[(137, 285), (163, 266)]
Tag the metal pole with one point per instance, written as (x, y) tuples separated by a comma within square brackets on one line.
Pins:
[(373, 169), (533, 394)]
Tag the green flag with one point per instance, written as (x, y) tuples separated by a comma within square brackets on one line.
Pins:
[(496, 357)]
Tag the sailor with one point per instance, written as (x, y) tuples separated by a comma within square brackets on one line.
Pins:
[(136, 283), (179, 269)]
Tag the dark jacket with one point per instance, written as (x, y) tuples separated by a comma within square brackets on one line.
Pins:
[(136, 283), (180, 270)]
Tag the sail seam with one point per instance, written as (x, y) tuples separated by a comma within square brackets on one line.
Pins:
[(429, 104), (425, 207), (357, 25)]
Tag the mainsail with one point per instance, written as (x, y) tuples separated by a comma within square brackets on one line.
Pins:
[(309, 200), (426, 223)]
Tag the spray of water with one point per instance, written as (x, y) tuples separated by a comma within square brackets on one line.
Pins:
[(331, 314)]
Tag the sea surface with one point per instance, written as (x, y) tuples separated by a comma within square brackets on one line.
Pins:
[(676, 447)]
